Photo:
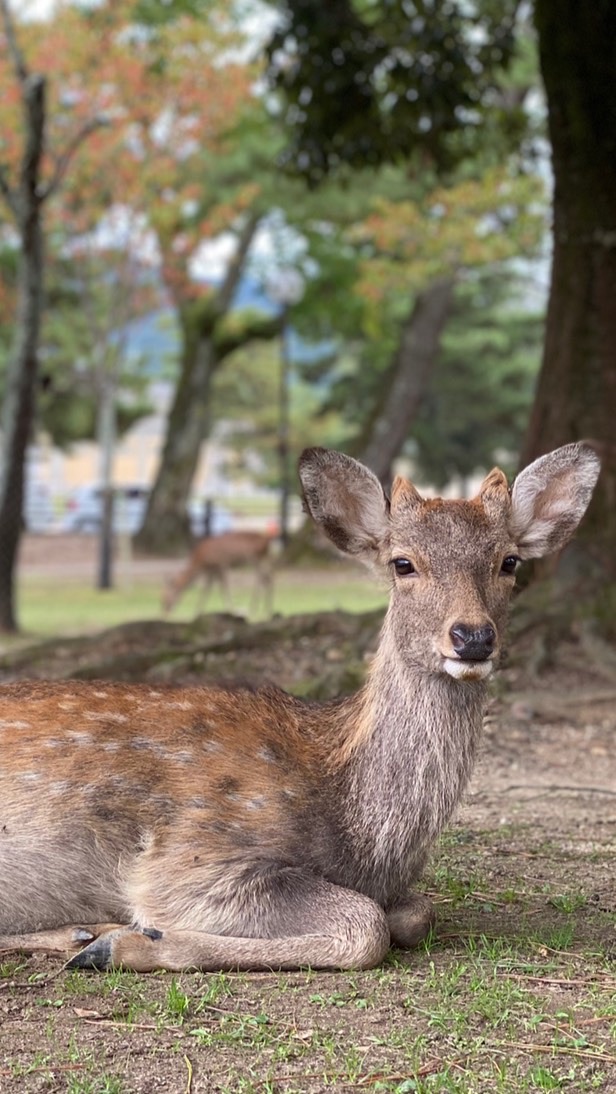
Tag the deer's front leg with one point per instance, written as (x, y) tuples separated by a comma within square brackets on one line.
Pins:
[(409, 923), (284, 920), (62, 940)]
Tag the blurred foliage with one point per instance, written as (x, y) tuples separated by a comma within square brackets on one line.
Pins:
[(476, 409), (373, 81), (81, 342), (437, 87)]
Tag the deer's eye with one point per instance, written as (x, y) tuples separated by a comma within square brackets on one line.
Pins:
[(508, 565), (403, 567)]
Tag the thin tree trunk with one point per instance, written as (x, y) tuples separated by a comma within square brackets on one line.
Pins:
[(18, 409), (576, 392), (25, 200), (412, 367)]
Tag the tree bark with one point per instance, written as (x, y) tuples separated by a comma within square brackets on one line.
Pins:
[(166, 527), (576, 392), (412, 366), (18, 409), (25, 200)]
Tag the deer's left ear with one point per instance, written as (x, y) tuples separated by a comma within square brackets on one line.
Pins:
[(549, 498)]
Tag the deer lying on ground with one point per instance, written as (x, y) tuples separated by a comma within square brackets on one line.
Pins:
[(211, 561), (200, 827)]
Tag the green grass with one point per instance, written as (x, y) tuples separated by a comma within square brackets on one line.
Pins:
[(54, 606)]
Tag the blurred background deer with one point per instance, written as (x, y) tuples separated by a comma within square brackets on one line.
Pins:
[(211, 560)]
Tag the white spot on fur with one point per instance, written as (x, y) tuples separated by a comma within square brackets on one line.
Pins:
[(60, 786), (212, 746), (14, 725), (141, 743), (79, 737), (100, 694), (105, 716)]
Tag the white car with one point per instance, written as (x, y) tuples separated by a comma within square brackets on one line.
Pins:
[(38, 507), (84, 509)]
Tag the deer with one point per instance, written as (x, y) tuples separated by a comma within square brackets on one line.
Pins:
[(235, 828), (211, 560)]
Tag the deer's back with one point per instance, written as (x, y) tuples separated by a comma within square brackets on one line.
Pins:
[(125, 761), (231, 549)]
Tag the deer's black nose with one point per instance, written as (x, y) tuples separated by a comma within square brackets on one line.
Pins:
[(473, 643)]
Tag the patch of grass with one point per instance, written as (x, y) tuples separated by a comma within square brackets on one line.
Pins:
[(568, 902), (56, 606), (102, 1084)]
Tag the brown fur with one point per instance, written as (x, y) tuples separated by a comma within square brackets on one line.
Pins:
[(247, 829)]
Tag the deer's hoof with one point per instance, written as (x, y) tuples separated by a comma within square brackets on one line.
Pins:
[(95, 956)]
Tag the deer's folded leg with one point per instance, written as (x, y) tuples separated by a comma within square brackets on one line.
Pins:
[(57, 940), (303, 921)]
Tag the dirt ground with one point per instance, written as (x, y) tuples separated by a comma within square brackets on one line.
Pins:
[(516, 991)]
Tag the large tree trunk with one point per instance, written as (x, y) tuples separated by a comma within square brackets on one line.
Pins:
[(415, 358), (166, 528), (166, 525), (18, 409), (576, 393)]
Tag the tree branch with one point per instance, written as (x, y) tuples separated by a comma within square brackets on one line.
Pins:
[(15, 53), (414, 360), (7, 192), (63, 160), (236, 265)]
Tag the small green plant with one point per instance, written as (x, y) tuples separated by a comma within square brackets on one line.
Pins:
[(177, 1002), (103, 1084), (543, 1079), (568, 902)]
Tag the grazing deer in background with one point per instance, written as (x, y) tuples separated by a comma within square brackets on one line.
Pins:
[(201, 827), (211, 561)]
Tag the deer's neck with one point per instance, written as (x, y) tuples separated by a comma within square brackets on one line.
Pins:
[(406, 769)]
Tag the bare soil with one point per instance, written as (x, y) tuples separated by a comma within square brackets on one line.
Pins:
[(516, 992)]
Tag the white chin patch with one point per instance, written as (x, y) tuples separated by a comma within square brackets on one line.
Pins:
[(467, 670)]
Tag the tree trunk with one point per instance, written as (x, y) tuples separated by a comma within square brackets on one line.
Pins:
[(166, 527), (18, 409), (414, 361), (576, 392)]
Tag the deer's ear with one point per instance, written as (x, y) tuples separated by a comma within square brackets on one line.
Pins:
[(345, 499), (549, 498)]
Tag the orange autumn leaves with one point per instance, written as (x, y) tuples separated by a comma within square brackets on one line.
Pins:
[(165, 101)]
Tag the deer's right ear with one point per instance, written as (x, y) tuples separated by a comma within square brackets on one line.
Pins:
[(345, 499)]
